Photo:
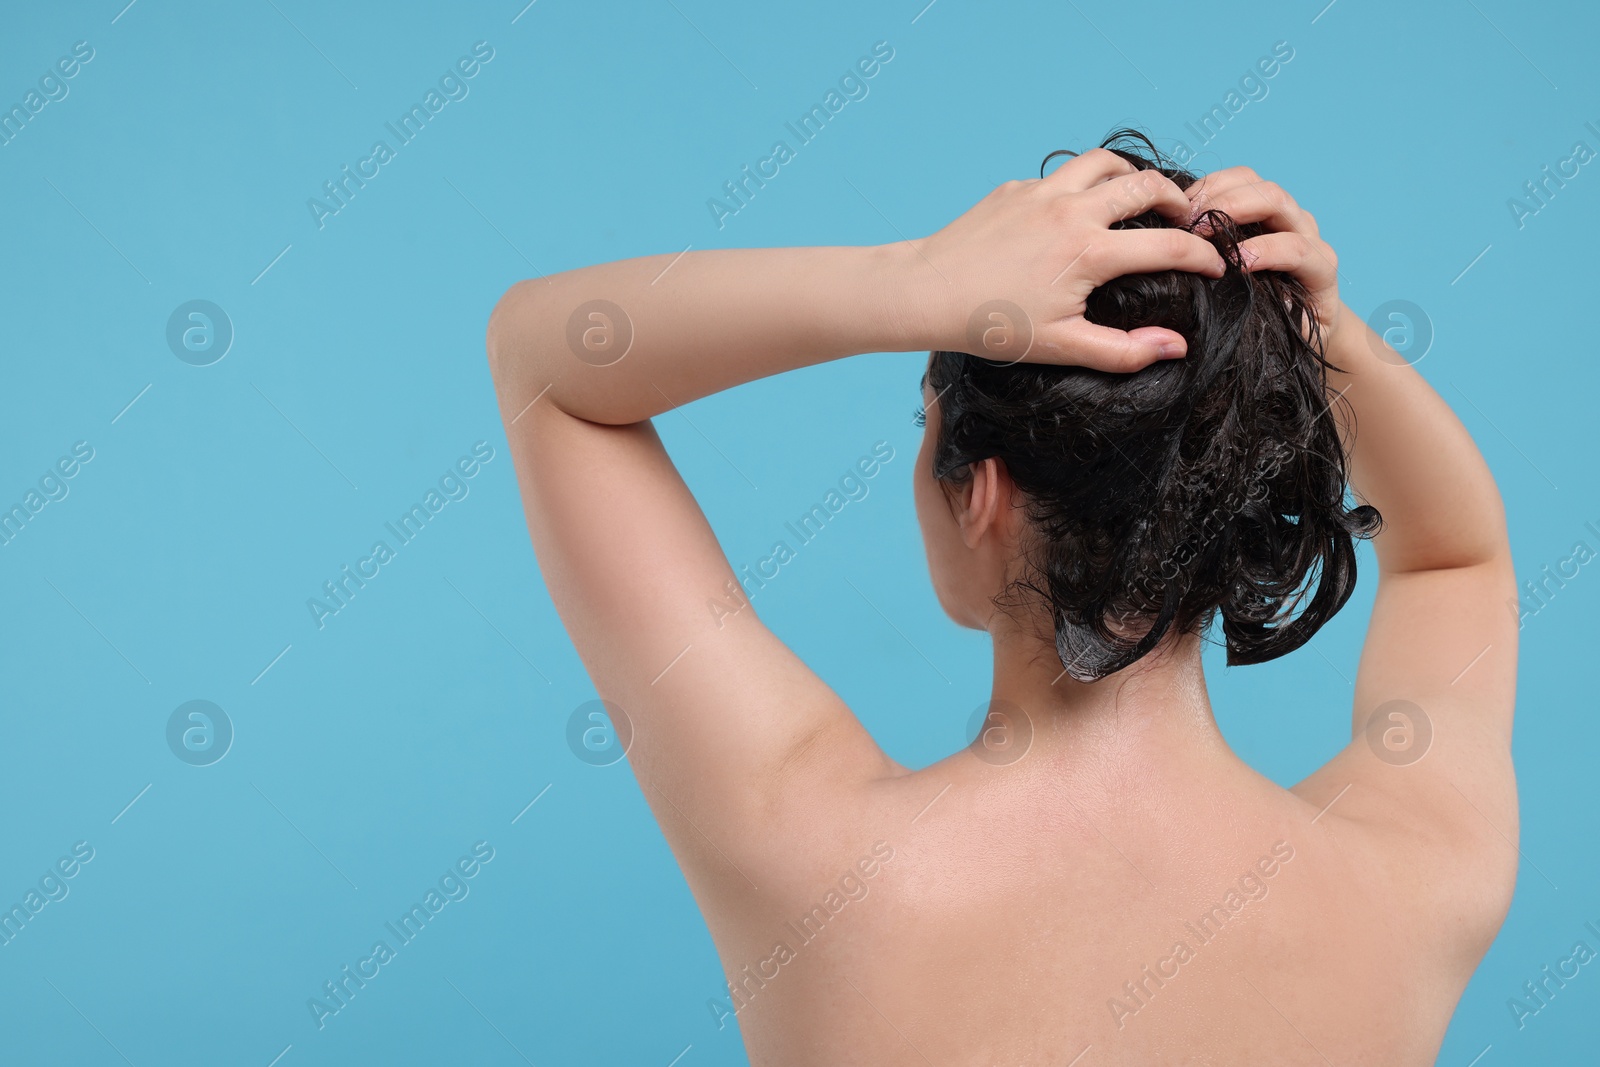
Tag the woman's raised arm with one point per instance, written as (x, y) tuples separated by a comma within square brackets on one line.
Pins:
[(735, 742), (1431, 756), (620, 342)]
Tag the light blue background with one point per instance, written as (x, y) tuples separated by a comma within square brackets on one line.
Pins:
[(427, 714)]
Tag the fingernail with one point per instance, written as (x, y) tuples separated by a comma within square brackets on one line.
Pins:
[(1171, 350)]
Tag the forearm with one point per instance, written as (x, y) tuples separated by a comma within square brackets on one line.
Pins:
[(693, 325), (1413, 460)]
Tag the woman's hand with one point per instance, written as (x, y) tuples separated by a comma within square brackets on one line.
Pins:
[(1008, 279), (1294, 246)]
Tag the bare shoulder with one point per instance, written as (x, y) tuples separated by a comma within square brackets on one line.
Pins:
[(1427, 783), (1432, 816)]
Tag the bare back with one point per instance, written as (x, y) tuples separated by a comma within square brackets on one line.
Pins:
[(975, 914)]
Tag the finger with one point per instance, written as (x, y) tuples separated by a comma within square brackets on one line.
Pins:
[(1231, 188), (1260, 202), (1083, 344), (1220, 181), (1291, 252), (1263, 202), (1088, 170), (1147, 251), (1224, 178), (1133, 194)]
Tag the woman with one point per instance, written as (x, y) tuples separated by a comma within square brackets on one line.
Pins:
[(1156, 437)]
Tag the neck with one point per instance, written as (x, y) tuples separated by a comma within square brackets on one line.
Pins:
[(1158, 707)]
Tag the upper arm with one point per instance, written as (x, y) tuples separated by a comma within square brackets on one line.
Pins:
[(1446, 638), (723, 714)]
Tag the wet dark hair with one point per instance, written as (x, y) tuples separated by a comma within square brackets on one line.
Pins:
[(1196, 487)]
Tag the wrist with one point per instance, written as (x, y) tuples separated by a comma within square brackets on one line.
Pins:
[(1342, 335), (909, 294)]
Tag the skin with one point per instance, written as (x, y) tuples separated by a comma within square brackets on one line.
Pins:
[(1024, 892)]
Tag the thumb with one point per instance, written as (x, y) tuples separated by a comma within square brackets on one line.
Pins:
[(1083, 344)]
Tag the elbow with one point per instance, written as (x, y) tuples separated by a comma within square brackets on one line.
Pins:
[(517, 346), (532, 353), (1496, 533), (501, 334)]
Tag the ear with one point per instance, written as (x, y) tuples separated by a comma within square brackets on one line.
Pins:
[(982, 499)]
